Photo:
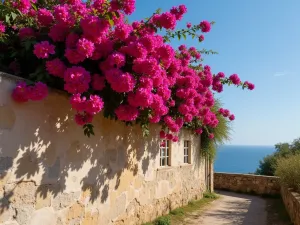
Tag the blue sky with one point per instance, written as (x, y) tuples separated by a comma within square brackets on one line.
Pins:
[(260, 41)]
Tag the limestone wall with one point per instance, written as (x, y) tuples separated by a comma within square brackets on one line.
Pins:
[(263, 185), (52, 174), (292, 204)]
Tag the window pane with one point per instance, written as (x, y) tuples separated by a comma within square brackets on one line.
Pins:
[(163, 161)]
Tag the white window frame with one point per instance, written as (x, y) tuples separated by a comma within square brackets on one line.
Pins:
[(187, 151), (165, 153)]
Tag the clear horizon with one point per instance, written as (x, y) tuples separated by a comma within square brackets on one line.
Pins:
[(259, 41)]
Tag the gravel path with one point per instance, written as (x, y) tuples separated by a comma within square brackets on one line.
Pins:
[(232, 209)]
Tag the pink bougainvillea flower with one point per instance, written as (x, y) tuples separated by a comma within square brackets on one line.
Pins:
[(94, 28), (211, 136), (199, 131), (56, 67), (249, 85), (127, 113), (94, 105), (21, 92), (45, 17), (189, 25), (234, 78), (78, 103), (119, 81), (163, 144), (85, 47), (201, 38), (205, 26), (22, 5), (166, 20), (98, 82), (2, 27), (169, 137), (74, 56), (26, 32), (43, 49), (83, 118), (175, 139), (77, 80), (58, 32), (38, 92), (162, 134), (231, 117), (72, 40)]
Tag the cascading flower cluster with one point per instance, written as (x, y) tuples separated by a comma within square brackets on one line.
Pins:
[(127, 70)]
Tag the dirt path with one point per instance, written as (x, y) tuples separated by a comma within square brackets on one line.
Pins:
[(232, 209)]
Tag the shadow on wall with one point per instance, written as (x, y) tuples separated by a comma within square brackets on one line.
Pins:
[(40, 143)]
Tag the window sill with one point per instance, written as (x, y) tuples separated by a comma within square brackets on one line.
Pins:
[(186, 165), (162, 168)]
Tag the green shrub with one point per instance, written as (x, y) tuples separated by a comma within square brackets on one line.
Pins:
[(210, 195), (178, 211), (164, 220), (267, 166), (288, 169)]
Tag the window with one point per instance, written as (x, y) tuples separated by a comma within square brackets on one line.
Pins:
[(187, 152), (165, 153)]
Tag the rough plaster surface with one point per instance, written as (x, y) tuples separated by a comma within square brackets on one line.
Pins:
[(51, 170), (247, 183)]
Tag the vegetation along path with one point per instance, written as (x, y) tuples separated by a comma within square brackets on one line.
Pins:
[(239, 209)]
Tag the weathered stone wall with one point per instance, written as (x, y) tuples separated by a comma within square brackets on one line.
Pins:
[(248, 183), (292, 204), (52, 174)]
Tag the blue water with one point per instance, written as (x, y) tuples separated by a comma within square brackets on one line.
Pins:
[(240, 159)]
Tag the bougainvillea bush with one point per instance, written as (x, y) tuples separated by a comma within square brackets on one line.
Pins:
[(127, 71)]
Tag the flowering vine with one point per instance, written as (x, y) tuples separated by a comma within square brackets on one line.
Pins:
[(128, 71)]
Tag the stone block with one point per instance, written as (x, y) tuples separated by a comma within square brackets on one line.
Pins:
[(63, 200), (24, 213), (138, 182), (45, 216), (91, 219), (43, 201), (75, 213), (23, 194), (119, 207)]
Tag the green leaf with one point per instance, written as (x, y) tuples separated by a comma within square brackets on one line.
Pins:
[(111, 22), (179, 36), (34, 7), (184, 36), (117, 14), (7, 19), (13, 15)]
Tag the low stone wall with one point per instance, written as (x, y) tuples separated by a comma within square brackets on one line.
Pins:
[(292, 204), (247, 183)]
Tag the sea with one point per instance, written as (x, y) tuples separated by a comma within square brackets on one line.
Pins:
[(240, 159)]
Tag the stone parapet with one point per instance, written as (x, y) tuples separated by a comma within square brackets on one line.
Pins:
[(247, 183), (292, 204)]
